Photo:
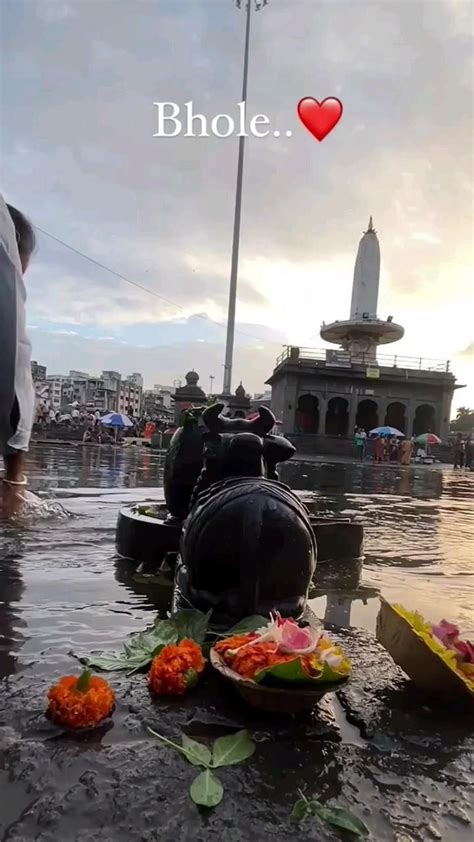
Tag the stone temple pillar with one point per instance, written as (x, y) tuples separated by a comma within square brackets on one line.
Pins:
[(353, 401), (289, 405)]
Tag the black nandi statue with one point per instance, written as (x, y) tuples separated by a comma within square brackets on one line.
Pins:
[(247, 545)]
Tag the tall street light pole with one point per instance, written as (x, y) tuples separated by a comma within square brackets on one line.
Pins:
[(229, 347)]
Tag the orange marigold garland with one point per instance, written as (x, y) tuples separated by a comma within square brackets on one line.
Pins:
[(176, 668), (80, 701)]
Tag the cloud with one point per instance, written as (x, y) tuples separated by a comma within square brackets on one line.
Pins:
[(80, 158)]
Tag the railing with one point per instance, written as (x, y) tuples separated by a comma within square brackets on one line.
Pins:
[(345, 359)]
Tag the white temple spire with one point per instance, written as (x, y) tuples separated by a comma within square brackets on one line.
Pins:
[(365, 286)]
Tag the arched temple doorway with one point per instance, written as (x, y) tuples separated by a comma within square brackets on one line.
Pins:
[(367, 415), (337, 417), (395, 416), (424, 421), (307, 414)]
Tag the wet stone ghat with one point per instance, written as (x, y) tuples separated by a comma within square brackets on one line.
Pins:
[(375, 747)]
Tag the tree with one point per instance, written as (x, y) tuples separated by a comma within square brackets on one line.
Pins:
[(464, 421)]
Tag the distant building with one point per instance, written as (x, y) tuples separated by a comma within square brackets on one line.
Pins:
[(130, 398), (38, 372), (136, 378), (56, 383), (325, 392), (166, 393), (189, 395)]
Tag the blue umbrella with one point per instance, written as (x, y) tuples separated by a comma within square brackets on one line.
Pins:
[(386, 431), (116, 419)]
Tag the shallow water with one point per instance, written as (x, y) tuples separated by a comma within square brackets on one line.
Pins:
[(62, 589)]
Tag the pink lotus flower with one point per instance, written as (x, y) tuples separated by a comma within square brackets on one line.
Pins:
[(288, 636), (446, 632), (298, 641), (466, 650)]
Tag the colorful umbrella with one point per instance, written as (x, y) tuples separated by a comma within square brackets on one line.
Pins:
[(427, 438), (117, 420), (386, 432)]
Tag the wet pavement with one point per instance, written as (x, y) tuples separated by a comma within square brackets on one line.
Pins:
[(375, 747)]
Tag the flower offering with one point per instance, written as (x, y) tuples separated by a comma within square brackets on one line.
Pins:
[(81, 701), (283, 652), (176, 668), (435, 657)]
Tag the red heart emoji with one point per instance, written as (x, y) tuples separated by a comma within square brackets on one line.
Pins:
[(319, 117)]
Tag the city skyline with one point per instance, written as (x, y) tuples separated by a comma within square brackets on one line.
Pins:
[(81, 161)]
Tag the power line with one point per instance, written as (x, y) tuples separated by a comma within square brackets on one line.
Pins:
[(143, 288)]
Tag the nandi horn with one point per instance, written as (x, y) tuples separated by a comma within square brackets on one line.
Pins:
[(217, 423)]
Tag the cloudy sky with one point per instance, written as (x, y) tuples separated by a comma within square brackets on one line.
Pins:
[(79, 157)]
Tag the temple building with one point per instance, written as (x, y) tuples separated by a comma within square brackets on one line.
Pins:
[(239, 404), (189, 395), (327, 393)]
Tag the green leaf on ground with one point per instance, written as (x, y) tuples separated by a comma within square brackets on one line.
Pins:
[(340, 817), (335, 816), (232, 749), (206, 790), (191, 623), (300, 809), (138, 651), (196, 753)]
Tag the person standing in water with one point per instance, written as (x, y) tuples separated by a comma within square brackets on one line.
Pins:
[(406, 450), (17, 400)]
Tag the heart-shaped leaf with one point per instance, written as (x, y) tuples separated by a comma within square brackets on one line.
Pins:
[(195, 752), (227, 751), (191, 623), (206, 790), (340, 817), (138, 650)]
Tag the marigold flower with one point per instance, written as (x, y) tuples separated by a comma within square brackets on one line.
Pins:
[(251, 659), (176, 668), (80, 701), (231, 643)]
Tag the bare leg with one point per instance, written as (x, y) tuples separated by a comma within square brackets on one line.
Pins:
[(14, 480), (15, 466)]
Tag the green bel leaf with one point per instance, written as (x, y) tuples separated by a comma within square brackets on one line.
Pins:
[(83, 681), (300, 810), (340, 817), (206, 790), (191, 624), (247, 625), (138, 651), (195, 752), (234, 748)]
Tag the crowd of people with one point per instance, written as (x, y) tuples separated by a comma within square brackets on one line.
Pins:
[(384, 448), (463, 451), (402, 450)]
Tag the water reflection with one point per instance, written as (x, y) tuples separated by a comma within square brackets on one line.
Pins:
[(58, 577)]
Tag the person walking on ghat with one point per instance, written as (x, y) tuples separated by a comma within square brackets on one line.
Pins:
[(469, 445), (17, 397), (406, 450), (379, 449), (459, 452)]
